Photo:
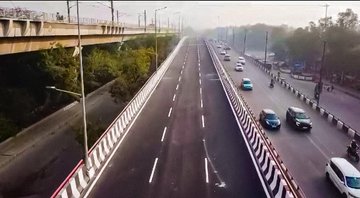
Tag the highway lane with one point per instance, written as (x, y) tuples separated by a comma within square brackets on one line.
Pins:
[(185, 142), (304, 154), (340, 104)]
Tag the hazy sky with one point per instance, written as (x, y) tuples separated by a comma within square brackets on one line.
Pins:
[(201, 14)]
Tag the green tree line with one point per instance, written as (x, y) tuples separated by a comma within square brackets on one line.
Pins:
[(305, 44), (23, 77)]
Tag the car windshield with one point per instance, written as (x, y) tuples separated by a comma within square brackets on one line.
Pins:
[(353, 182), (271, 117), (247, 82), (301, 116)]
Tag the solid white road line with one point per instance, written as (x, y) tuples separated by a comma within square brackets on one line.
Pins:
[(153, 170), (174, 97), (177, 86), (163, 135), (201, 103), (206, 171), (170, 112), (202, 120)]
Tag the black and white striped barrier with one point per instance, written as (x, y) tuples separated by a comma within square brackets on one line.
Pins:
[(276, 176), (78, 179), (327, 115)]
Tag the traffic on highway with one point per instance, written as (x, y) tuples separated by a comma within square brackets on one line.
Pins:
[(180, 99), (307, 142)]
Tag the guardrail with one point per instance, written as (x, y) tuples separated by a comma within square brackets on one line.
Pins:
[(77, 181), (278, 179), (330, 117)]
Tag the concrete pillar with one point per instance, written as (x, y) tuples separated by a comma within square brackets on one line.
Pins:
[(9, 27), (25, 28)]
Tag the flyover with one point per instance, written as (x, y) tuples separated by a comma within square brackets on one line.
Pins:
[(25, 35)]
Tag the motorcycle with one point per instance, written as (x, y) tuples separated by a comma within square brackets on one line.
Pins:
[(353, 154), (271, 85), (316, 95)]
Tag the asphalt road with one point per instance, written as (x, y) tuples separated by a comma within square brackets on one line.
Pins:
[(185, 142), (49, 151), (340, 104), (304, 153)]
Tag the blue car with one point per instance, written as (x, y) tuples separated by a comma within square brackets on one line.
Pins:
[(269, 119), (246, 84)]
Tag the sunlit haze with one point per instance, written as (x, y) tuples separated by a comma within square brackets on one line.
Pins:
[(201, 14)]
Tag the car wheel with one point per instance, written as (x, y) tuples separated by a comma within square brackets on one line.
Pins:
[(344, 195)]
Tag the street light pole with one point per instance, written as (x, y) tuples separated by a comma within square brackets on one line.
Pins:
[(68, 10), (82, 95), (144, 20), (156, 60), (320, 85), (62, 90), (244, 47), (112, 12), (266, 47)]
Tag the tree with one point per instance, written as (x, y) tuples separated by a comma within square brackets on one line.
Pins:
[(62, 67), (347, 19), (278, 38)]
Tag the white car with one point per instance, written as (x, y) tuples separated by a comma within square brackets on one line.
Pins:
[(218, 46), (239, 67), (227, 57), (241, 60), (222, 52), (344, 176)]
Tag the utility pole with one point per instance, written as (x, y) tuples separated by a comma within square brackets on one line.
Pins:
[(86, 159), (266, 41), (244, 47), (145, 20), (320, 84), (139, 15), (159, 30), (68, 9), (233, 34), (112, 12), (218, 28), (226, 32), (117, 16)]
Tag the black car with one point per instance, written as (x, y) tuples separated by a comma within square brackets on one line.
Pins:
[(298, 119), (269, 119)]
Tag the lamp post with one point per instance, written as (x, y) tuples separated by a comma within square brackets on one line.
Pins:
[(156, 61), (62, 90), (86, 160), (320, 84), (179, 21)]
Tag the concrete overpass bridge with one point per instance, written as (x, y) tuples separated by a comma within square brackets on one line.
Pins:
[(26, 35)]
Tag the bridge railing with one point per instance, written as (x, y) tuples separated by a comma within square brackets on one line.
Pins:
[(279, 181), (25, 14), (77, 181)]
